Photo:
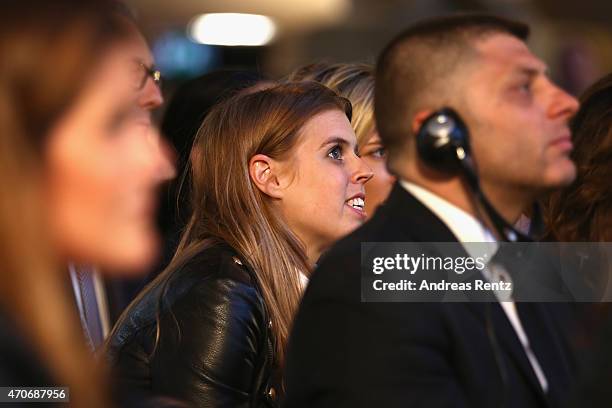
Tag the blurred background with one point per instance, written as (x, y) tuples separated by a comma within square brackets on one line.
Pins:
[(273, 37), (573, 37)]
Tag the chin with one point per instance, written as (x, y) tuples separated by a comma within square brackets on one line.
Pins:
[(350, 227), (562, 176), (568, 174)]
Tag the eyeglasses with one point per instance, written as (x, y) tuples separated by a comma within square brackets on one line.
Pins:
[(144, 73)]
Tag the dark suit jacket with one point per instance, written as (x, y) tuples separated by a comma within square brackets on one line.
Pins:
[(347, 353)]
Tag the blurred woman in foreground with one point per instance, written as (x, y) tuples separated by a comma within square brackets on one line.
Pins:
[(355, 81), (77, 182), (275, 181), (582, 212)]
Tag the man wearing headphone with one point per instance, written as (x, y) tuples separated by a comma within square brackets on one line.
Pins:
[(475, 132)]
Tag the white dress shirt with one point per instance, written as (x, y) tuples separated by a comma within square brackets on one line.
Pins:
[(466, 228)]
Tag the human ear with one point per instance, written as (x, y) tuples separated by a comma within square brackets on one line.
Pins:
[(418, 119), (262, 170)]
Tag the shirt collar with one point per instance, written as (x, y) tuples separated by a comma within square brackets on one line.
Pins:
[(464, 226)]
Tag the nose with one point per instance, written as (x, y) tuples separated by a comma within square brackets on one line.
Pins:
[(150, 96), (362, 173), (562, 104)]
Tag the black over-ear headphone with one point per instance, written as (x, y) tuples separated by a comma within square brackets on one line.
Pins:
[(443, 143)]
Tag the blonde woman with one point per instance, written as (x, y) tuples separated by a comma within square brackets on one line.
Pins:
[(355, 81), (275, 181)]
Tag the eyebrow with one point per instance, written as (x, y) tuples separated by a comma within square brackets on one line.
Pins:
[(337, 140), (532, 71), (373, 141)]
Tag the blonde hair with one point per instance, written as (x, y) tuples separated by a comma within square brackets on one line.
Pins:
[(229, 208), (354, 81), (47, 52)]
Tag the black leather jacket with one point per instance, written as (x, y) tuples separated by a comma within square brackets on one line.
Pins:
[(214, 347)]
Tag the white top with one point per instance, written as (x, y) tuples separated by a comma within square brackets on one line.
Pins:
[(466, 228), (303, 280)]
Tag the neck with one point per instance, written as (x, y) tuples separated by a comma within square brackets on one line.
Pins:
[(509, 201), (313, 254)]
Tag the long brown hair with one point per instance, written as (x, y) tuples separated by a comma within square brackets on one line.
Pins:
[(47, 51), (229, 208), (583, 211)]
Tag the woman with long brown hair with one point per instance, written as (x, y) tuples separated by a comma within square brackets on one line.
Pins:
[(275, 181), (583, 211), (355, 81), (77, 184)]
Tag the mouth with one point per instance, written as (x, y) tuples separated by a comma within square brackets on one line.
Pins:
[(357, 204), (563, 142)]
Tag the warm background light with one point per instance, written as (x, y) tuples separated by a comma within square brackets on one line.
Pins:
[(232, 29), (573, 37)]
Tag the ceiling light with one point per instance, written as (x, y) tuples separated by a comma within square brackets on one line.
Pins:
[(232, 29)]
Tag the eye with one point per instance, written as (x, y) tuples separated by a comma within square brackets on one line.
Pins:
[(525, 87), (375, 151), (335, 152), (379, 153)]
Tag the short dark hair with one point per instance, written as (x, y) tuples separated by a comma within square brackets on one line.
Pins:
[(415, 66)]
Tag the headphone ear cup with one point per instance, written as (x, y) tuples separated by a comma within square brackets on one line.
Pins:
[(439, 138)]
